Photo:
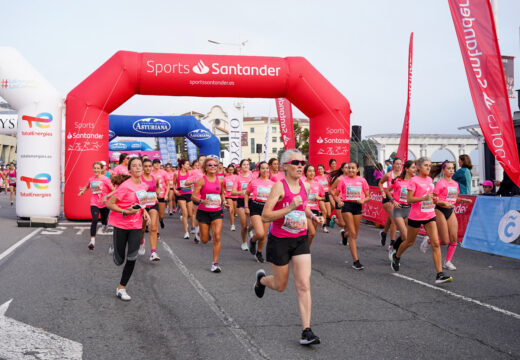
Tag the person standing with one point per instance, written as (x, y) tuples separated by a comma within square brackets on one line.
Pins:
[(463, 175)]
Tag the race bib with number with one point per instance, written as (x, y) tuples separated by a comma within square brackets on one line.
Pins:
[(353, 193), (427, 206), (403, 196), (95, 187), (311, 199), (229, 185), (182, 183), (12, 180), (451, 197), (262, 193), (213, 201), (295, 222), (243, 186), (142, 197), (151, 199)]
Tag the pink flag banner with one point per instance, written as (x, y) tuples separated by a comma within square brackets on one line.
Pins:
[(402, 151), (285, 117)]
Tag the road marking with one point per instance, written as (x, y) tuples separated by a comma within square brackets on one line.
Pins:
[(19, 243), (19, 341), (462, 297), (254, 350)]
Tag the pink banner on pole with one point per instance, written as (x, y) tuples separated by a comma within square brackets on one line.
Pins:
[(285, 117), (402, 151), (475, 27)]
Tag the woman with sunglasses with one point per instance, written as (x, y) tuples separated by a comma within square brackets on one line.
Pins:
[(126, 217), (242, 181), (316, 196), (209, 192), (183, 193), (229, 183), (152, 207), (385, 188), (100, 186), (122, 168), (274, 168), (420, 195), (354, 193), (334, 179), (256, 195), (326, 209), (288, 239)]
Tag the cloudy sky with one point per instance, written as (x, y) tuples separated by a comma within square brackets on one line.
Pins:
[(361, 47)]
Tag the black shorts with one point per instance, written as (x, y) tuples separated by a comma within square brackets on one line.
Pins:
[(417, 223), (206, 217), (352, 207), (13, 185), (184, 197), (240, 203), (161, 200), (155, 207), (256, 207), (230, 198), (316, 212), (327, 198), (445, 211), (279, 251), (386, 200)]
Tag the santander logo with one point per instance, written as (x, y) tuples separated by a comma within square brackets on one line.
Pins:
[(320, 140), (200, 68)]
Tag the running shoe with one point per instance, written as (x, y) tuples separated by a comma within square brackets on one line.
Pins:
[(258, 287), (171, 213), (192, 230), (425, 244), (158, 236), (449, 266), (250, 234), (215, 268), (154, 257), (244, 246), (11, 203), (123, 295), (180, 218), (161, 221), (91, 244), (396, 263), (344, 239), (196, 240), (325, 230), (332, 222), (142, 250), (260, 257), (441, 278), (233, 228), (110, 249), (391, 252), (308, 338), (186, 235), (104, 228), (357, 265), (252, 246), (383, 238)]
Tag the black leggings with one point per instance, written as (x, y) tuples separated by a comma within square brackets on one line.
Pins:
[(95, 211), (122, 238)]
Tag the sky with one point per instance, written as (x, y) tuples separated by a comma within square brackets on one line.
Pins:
[(361, 47)]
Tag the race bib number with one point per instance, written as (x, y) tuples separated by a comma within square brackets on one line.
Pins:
[(311, 199), (142, 197), (12, 180), (403, 196), (427, 206), (182, 183), (229, 185), (95, 187), (353, 193), (451, 197), (213, 201), (262, 193), (295, 222), (151, 199), (243, 186), (325, 184)]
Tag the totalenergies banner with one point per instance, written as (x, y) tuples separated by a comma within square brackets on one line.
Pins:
[(39, 107), (478, 43), (285, 119)]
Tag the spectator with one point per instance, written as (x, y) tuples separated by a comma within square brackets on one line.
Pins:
[(507, 187), (378, 172), (388, 165), (463, 175), (488, 188)]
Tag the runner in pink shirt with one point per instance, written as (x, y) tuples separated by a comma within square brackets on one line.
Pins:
[(447, 191), (164, 187), (100, 186), (170, 196), (335, 178), (326, 210), (11, 180), (126, 216), (385, 188), (152, 207), (242, 180), (420, 195), (274, 168), (315, 198), (221, 172), (256, 195), (183, 194), (229, 183), (122, 168)]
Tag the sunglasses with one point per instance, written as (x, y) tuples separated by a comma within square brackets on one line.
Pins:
[(296, 162), (211, 165)]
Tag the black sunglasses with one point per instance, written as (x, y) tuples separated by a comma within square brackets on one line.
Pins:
[(296, 162)]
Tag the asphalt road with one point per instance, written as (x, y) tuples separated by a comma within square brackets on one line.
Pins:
[(180, 310)]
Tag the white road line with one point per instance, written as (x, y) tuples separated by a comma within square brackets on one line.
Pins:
[(462, 297), (74, 223), (19, 243), (254, 350)]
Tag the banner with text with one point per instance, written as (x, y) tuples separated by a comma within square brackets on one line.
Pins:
[(163, 148), (402, 151), (172, 150), (235, 135), (285, 118)]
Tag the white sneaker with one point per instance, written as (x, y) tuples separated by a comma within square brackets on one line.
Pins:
[(215, 268), (154, 257), (391, 252), (123, 295), (180, 218), (250, 234), (91, 244), (111, 249), (142, 250), (233, 228), (424, 245), (449, 266), (193, 230), (186, 235), (244, 247), (325, 230)]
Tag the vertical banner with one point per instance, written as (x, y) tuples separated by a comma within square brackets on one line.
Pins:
[(172, 150), (476, 33), (192, 150), (163, 148), (509, 72), (285, 117), (266, 142), (235, 117), (402, 151)]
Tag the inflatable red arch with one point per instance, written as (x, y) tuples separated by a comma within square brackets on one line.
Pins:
[(128, 73)]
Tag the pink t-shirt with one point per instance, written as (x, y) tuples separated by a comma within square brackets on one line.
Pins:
[(316, 189), (324, 181), (352, 189), (260, 189), (422, 210), (162, 176), (242, 181), (277, 177), (120, 169), (127, 195), (229, 183), (221, 176), (447, 190), (196, 175), (400, 191), (99, 187), (169, 177), (211, 191)]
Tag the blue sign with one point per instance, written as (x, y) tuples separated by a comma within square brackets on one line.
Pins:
[(172, 150), (164, 150), (151, 126), (128, 146), (494, 226)]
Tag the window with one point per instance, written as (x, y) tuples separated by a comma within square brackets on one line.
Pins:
[(224, 138), (251, 130), (274, 129), (275, 139), (253, 149), (275, 150)]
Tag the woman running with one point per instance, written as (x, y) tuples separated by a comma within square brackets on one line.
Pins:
[(326, 209), (274, 168), (316, 196), (399, 200), (183, 193), (196, 175), (100, 186), (170, 196), (288, 240), (221, 172), (354, 192), (122, 168), (384, 187), (334, 179), (152, 207), (420, 195), (447, 191), (256, 195), (164, 187), (127, 219), (242, 180), (229, 182), (11, 180), (210, 193)]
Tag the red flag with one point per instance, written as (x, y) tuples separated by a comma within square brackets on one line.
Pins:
[(402, 151), (478, 43), (283, 107)]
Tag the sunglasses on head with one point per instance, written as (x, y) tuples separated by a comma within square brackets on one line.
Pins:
[(296, 162)]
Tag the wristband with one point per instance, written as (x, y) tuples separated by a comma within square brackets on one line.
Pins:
[(123, 212)]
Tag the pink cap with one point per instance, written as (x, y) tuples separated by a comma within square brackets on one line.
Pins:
[(487, 183)]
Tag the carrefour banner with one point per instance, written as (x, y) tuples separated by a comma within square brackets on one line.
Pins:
[(494, 226)]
